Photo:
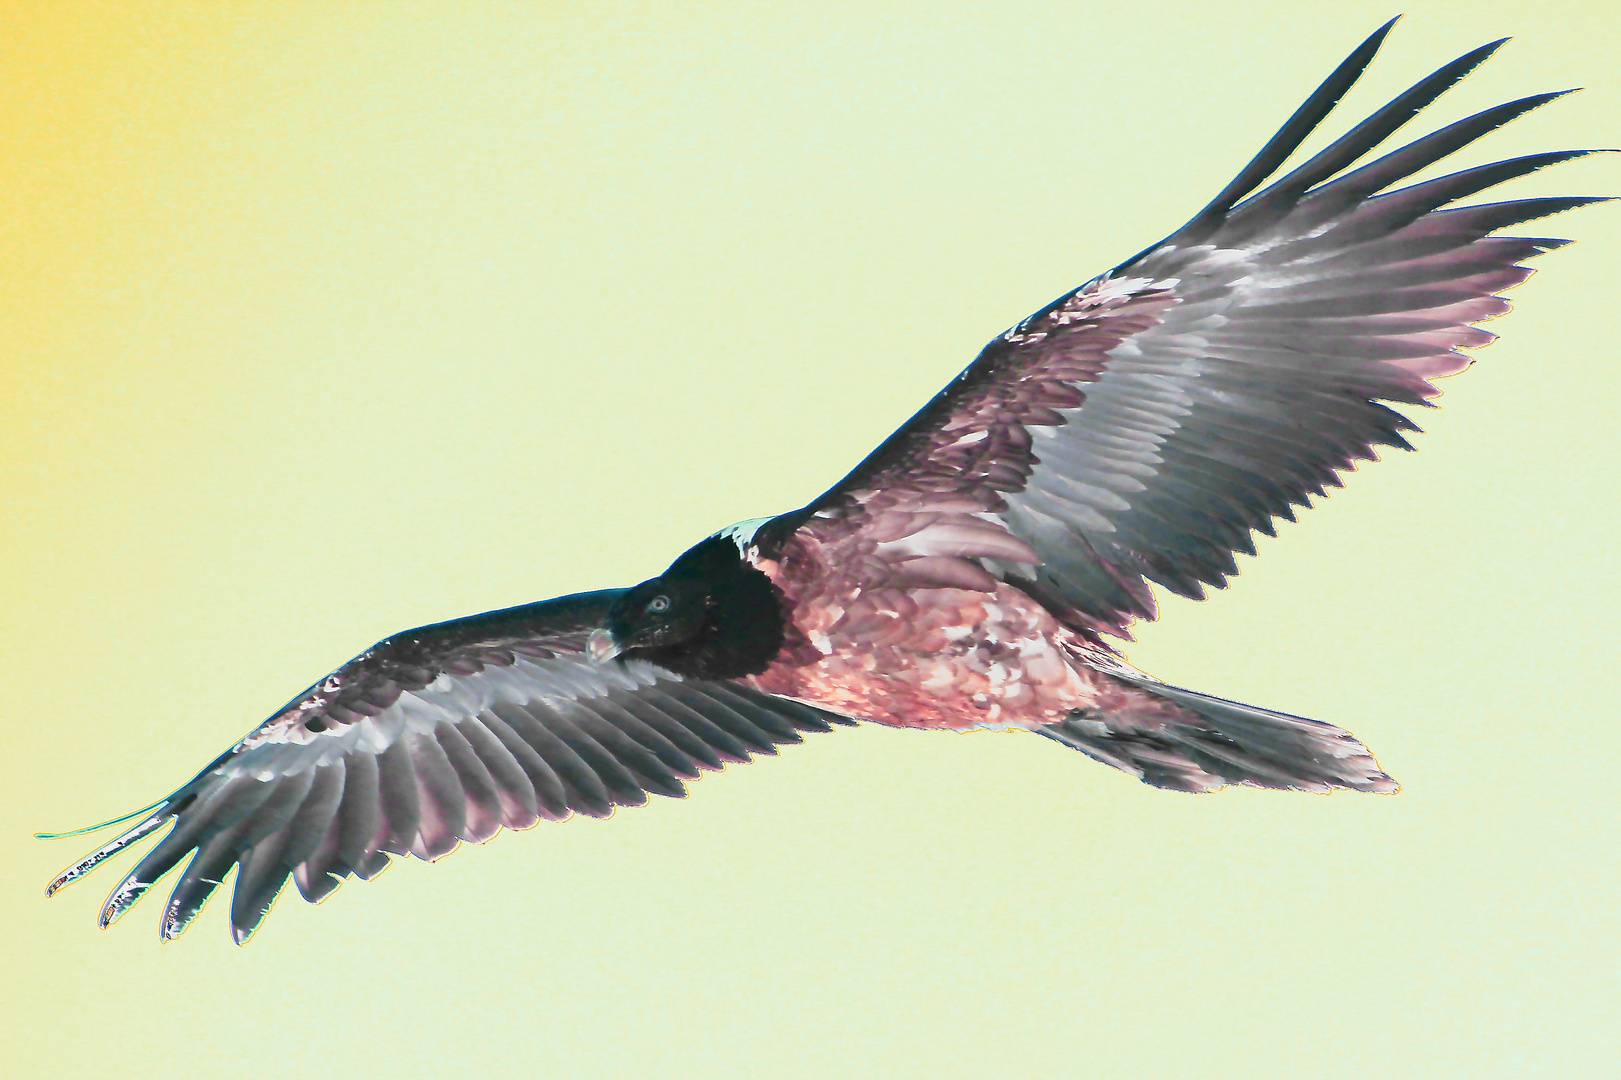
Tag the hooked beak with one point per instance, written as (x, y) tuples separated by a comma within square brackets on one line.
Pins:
[(601, 646)]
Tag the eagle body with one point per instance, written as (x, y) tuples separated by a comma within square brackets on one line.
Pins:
[(1137, 431), (926, 657)]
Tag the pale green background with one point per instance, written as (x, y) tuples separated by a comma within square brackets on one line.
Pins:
[(322, 321)]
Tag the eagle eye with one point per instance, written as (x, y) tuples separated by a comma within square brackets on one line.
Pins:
[(659, 605)]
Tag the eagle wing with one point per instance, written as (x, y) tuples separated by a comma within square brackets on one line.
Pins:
[(1139, 428), (434, 736)]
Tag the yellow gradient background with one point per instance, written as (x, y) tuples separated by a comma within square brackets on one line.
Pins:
[(326, 320)]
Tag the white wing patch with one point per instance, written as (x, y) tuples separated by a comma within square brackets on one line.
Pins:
[(742, 533)]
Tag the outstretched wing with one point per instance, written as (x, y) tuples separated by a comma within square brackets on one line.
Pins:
[(437, 735), (1139, 428)]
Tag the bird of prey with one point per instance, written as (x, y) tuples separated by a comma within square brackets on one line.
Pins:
[(966, 575)]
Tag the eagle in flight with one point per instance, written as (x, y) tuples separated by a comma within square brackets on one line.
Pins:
[(965, 575)]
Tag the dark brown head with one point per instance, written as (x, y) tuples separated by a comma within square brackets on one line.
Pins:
[(710, 615)]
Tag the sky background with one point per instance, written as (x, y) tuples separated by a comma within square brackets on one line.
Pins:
[(322, 321)]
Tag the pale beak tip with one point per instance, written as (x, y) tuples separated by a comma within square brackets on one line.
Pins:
[(601, 646)]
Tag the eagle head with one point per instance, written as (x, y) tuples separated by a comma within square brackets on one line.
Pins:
[(711, 615)]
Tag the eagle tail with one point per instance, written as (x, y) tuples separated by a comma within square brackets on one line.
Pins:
[(1187, 741)]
